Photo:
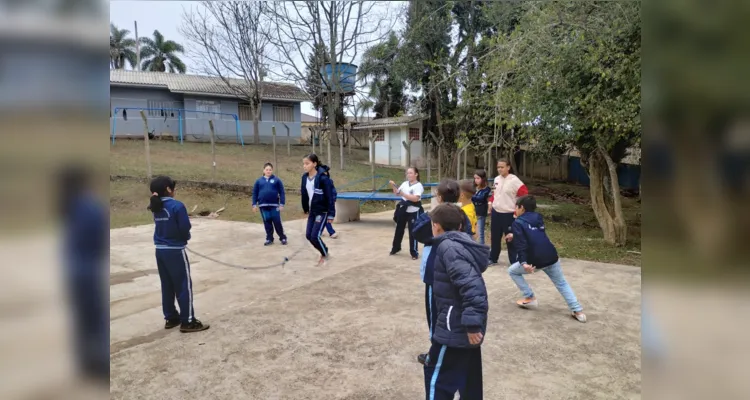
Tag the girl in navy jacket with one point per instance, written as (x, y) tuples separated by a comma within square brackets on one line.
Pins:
[(317, 201), (171, 234), (268, 194)]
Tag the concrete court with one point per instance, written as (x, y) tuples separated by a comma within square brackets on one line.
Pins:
[(352, 329)]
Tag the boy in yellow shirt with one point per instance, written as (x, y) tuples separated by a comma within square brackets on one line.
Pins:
[(467, 190)]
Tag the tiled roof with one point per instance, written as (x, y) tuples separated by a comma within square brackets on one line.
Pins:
[(386, 122), (198, 84)]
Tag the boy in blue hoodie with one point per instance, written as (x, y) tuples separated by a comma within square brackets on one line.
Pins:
[(171, 234), (268, 194), (534, 251), (454, 363)]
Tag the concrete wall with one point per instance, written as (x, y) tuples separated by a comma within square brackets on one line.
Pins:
[(195, 125), (382, 155)]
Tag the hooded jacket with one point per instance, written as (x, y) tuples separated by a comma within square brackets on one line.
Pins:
[(268, 192), (530, 241), (171, 225), (323, 200), (422, 231), (459, 290)]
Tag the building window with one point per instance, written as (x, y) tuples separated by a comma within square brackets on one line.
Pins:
[(210, 109), (160, 108), (379, 135), (246, 112), (414, 134), (283, 114)]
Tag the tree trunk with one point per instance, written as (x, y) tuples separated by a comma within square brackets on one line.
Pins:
[(341, 149), (407, 146), (328, 149), (429, 162), (256, 126), (613, 228), (288, 141), (312, 138)]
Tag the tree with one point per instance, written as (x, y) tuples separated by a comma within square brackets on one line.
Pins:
[(386, 86), (160, 55), (305, 27), (232, 42), (575, 82), (121, 48)]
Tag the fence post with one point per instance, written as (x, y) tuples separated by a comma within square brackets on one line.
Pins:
[(372, 160), (146, 141), (273, 134), (213, 150)]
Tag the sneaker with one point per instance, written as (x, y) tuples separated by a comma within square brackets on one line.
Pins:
[(414, 258), (268, 243), (581, 317), (394, 252), (283, 241), (527, 302), (335, 235), (322, 261), (422, 358), (195, 326), (173, 323), (491, 263)]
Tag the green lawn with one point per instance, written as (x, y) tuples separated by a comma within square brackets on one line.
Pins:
[(238, 165)]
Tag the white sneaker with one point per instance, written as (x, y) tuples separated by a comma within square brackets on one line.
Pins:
[(335, 235), (580, 317)]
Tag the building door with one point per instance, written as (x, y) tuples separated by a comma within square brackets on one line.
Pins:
[(394, 145)]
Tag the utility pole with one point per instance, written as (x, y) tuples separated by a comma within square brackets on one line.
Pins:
[(137, 48)]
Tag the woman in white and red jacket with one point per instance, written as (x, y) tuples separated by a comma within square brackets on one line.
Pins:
[(508, 188)]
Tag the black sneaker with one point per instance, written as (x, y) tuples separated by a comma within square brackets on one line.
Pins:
[(283, 241), (422, 358), (268, 243), (394, 252), (195, 326), (173, 323)]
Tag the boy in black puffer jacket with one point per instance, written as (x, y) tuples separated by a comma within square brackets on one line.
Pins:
[(454, 363)]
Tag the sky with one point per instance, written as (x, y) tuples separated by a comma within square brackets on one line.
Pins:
[(166, 16)]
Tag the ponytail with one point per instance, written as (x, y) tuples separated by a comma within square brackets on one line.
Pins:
[(161, 186), (155, 203)]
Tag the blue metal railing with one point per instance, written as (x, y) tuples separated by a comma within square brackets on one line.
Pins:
[(179, 117)]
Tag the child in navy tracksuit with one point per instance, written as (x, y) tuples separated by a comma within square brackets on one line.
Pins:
[(534, 251), (479, 199), (268, 194), (454, 363), (448, 191), (317, 201), (171, 234)]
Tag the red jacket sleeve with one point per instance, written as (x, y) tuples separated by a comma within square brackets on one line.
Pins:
[(522, 191)]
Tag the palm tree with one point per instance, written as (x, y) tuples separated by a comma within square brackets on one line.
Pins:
[(159, 55), (121, 48)]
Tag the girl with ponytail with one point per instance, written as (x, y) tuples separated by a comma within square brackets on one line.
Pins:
[(171, 234)]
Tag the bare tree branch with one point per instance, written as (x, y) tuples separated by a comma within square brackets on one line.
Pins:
[(232, 42)]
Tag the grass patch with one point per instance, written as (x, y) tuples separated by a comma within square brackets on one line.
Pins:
[(573, 228), (128, 201), (239, 165)]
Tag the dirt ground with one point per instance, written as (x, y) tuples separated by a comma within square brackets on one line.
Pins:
[(352, 329)]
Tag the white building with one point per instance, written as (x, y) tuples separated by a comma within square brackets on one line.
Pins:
[(391, 134)]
